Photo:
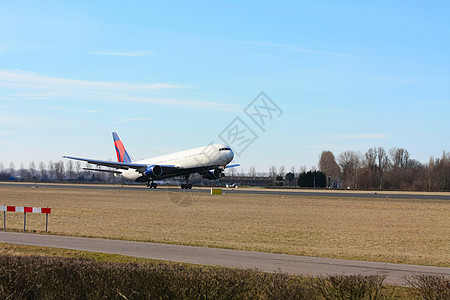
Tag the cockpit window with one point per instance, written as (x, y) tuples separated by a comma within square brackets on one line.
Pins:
[(224, 149)]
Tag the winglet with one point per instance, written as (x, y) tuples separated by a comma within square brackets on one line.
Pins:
[(232, 166), (122, 154)]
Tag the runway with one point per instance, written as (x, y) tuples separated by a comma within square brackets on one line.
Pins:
[(268, 262), (262, 191)]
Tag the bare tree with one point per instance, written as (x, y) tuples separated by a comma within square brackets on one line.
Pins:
[(42, 170), (59, 170), (399, 158), (1, 167), (78, 168), (70, 169), (273, 171), (374, 164), (252, 171), (444, 175), (87, 173), (12, 168), (329, 166), (100, 175), (23, 172), (233, 172), (349, 162), (293, 170), (282, 171), (51, 170), (430, 173), (400, 163), (439, 172), (383, 165), (302, 169), (33, 171)]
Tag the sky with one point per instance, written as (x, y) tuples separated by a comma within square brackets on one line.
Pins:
[(279, 81)]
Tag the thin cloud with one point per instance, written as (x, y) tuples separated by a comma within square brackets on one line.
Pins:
[(61, 88), (59, 108), (180, 102), (129, 53), (22, 79), (375, 136), (92, 111), (293, 48), (134, 120), (12, 120), (28, 96), (5, 133)]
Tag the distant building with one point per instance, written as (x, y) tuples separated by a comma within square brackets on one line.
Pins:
[(246, 181), (5, 176)]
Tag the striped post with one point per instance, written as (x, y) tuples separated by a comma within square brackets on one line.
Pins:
[(25, 210)]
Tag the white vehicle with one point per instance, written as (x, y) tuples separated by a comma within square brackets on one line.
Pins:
[(233, 186), (209, 161)]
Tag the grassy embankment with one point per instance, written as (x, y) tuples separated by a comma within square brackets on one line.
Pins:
[(86, 275)]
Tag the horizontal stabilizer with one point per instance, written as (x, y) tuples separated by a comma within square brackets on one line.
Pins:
[(102, 170)]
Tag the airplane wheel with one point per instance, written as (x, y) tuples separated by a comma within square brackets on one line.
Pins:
[(186, 186), (154, 185)]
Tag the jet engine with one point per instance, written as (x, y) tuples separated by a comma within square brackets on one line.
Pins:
[(213, 175), (153, 171)]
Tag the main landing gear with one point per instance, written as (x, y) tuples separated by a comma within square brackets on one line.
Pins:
[(186, 185), (151, 184)]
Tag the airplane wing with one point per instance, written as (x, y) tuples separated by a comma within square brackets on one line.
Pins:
[(167, 169), (111, 164), (232, 166)]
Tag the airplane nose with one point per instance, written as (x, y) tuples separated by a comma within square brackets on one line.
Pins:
[(231, 155)]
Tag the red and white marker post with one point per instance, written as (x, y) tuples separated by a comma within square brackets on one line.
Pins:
[(25, 210)]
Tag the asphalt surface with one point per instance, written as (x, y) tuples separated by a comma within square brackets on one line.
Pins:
[(280, 192), (268, 262)]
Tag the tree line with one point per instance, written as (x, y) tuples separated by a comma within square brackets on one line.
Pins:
[(376, 169), (59, 171), (387, 170)]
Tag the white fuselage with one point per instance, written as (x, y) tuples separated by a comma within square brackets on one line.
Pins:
[(210, 156)]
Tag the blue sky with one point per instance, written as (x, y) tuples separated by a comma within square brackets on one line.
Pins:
[(168, 76)]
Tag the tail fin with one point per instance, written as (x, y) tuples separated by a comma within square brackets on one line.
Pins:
[(122, 154)]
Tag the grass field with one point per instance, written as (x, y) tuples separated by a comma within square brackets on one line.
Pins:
[(400, 231)]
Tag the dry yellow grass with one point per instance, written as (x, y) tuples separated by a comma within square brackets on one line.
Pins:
[(401, 231)]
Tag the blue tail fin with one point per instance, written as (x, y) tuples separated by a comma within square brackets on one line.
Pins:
[(122, 154)]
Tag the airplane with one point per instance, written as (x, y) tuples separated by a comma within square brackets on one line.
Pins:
[(209, 161)]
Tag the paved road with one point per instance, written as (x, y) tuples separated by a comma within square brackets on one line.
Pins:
[(291, 264), (280, 192)]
